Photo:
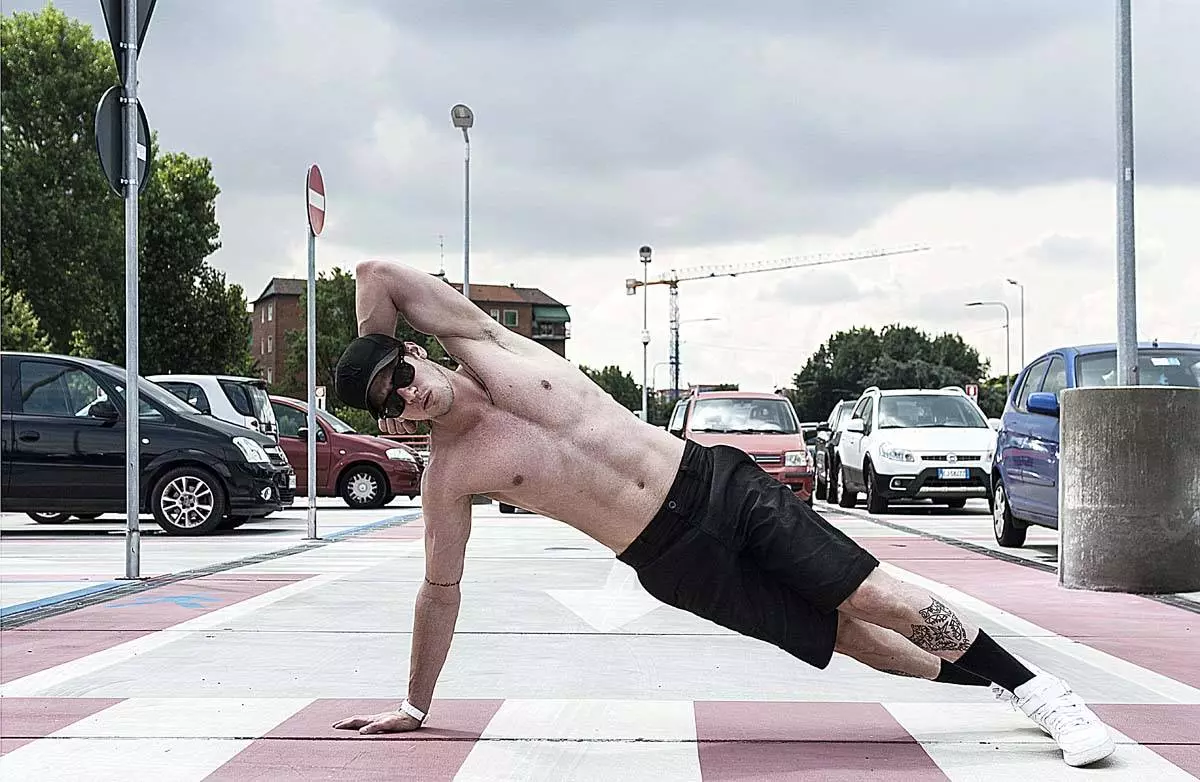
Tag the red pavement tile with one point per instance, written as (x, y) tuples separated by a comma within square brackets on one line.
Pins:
[(23, 720), (1153, 723), (1156, 636), (806, 741), (405, 532), (1186, 756), (915, 548), (436, 752), (50, 642)]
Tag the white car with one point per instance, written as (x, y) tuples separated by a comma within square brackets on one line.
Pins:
[(239, 400), (914, 444)]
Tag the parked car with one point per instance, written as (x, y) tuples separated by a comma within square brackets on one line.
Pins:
[(912, 444), (63, 427), (365, 471), (239, 400), (825, 452), (763, 425), (1025, 470)]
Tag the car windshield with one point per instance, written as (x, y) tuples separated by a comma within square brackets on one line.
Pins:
[(1156, 367), (925, 411), (744, 416), (335, 423), (153, 393)]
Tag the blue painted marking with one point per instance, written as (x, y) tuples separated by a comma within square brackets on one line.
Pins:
[(49, 601), (404, 517), (183, 601)]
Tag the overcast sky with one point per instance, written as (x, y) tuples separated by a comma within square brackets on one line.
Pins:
[(986, 130)]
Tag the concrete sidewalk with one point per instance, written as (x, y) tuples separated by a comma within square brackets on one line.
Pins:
[(564, 669)]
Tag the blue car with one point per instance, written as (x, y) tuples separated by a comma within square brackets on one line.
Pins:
[(1025, 467)]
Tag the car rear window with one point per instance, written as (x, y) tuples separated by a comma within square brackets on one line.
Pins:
[(249, 399)]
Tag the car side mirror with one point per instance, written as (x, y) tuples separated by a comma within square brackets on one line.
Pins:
[(1043, 404), (856, 425), (104, 410)]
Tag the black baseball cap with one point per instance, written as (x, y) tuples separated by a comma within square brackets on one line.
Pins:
[(361, 361)]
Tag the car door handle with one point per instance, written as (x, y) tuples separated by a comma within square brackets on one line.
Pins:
[(29, 436)]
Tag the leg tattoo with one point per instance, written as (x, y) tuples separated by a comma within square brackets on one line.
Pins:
[(941, 632)]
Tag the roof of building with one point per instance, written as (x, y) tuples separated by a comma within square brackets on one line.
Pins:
[(486, 294), (282, 286)]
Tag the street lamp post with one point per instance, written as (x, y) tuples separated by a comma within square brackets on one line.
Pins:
[(464, 118), (644, 254), (1022, 287), (1007, 340)]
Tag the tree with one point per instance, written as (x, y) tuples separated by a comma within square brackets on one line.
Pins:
[(19, 327), (895, 357), (620, 385), (63, 242)]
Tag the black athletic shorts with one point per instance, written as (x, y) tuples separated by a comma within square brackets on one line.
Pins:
[(735, 546)]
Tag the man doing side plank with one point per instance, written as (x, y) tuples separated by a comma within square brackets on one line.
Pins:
[(706, 530)]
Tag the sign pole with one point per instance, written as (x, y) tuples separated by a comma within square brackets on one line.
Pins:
[(133, 542), (315, 191)]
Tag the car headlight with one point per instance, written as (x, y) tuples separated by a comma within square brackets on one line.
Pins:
[(796, 459), (400, 454), (896, 454), (253, 452)]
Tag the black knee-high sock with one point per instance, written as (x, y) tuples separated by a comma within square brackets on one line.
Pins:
[(952, 674), (985, 658)]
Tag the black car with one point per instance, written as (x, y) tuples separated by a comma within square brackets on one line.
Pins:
[(825, 456), (63, 422)]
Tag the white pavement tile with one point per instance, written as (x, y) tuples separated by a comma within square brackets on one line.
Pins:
[(984, 742), (215, 718), (119, 760), (593, 719), (587, 761)]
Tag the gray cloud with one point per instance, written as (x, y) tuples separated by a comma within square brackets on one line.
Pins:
[(601, 126)]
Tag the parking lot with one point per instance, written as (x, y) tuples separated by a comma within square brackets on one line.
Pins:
[(562, 667)]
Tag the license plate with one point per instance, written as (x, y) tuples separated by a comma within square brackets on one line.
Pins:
[(954, 473), (292, 481)]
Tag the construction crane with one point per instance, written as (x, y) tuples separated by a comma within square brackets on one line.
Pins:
[(673, 278)]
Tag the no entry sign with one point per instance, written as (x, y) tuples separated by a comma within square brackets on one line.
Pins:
[(316, 201)]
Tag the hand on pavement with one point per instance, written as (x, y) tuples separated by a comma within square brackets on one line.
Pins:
[(384, 722)]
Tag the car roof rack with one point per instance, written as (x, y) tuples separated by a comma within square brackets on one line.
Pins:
[(869, 390), (959, 389)]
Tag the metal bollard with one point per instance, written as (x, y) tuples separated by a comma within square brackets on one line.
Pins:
[(1129, 493)]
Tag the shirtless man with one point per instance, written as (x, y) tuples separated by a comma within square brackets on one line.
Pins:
[(706, 530)]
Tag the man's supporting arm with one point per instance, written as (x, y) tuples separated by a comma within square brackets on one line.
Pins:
[(384, 290), (447, 529)]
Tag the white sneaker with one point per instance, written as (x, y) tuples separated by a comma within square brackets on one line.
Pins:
[(1051, 703)]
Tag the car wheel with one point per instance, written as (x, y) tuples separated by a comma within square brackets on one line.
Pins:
[(875, 502), (50, 518), (188, 501), (363, 486), (1008, 533), (847, 497)]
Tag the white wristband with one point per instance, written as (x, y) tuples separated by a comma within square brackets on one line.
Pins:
[(412, 711)]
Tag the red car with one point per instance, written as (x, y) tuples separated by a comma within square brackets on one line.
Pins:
[(763, 425), (365, 471)]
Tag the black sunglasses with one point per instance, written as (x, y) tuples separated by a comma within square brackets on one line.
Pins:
[(393, 403)]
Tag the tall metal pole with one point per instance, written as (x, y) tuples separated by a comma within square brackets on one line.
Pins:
[(1127, 372), (133, 542), (1007, 340), (312, 385), (467, 219), (1022, 288), (644, 254)]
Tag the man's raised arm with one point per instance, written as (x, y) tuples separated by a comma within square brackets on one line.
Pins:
[(385, 289)]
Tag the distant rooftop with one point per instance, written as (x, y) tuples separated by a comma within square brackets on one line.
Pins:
[(486, 294)]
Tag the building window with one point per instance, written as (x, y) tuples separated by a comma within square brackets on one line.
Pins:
[(264, 346), (263, 315), (270, 375), (270, 343), (495, 315), (270, 310), (510, 318)]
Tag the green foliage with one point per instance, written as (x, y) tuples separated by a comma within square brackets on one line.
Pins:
[(991, 395), (63, 242), (361, 420), (19, 327), (620, 385), (894, 357)]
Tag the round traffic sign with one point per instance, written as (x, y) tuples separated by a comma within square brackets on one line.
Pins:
[(315, 185)]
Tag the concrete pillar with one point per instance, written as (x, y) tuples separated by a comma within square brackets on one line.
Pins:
[(1129, 489)]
